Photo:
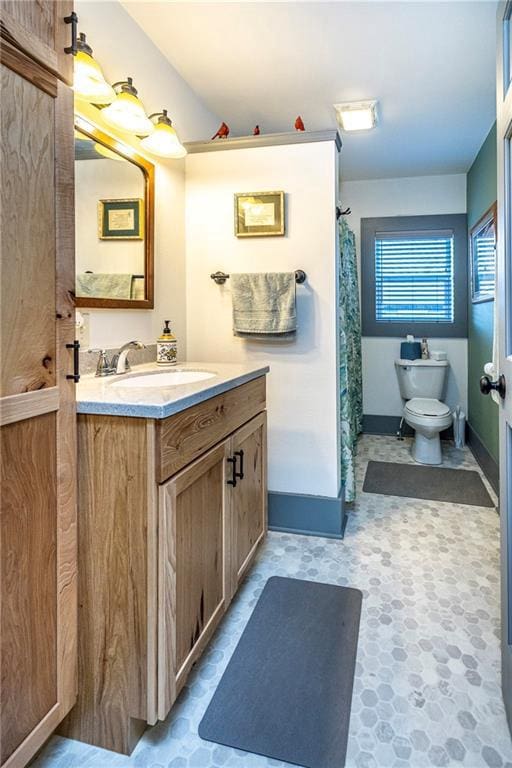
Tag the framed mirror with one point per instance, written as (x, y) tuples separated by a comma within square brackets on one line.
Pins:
[(114, 214)]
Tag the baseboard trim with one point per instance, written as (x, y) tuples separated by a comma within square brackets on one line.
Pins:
[(389, 425), (487, 463), (309, 515)]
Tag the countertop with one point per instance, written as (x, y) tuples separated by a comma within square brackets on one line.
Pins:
[(97, 395)]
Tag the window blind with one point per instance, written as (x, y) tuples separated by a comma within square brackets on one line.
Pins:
[(414, 277)]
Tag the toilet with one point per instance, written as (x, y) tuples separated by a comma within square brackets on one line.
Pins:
[(421, 385)]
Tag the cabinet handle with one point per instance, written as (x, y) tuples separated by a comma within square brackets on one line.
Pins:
[(75, 376), (73, 20), (240, 474), (232, 461)]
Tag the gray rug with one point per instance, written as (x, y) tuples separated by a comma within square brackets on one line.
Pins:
[(459, 486), (287, 690)]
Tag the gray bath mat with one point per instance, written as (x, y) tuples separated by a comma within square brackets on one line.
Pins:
[(459, 486), (287, 690)]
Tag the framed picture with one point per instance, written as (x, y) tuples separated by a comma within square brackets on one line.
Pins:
[(482, 249), (259, 214), (121, 219)]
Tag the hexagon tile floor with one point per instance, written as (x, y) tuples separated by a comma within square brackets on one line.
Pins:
[(427, 687)]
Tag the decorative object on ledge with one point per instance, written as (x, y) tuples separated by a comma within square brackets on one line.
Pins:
[(299, 124), (127, 112), (121, 219), (256, 131), (221, 277), (222, 133), (259, 214), (482, 248), (164, 140), (265, 140)]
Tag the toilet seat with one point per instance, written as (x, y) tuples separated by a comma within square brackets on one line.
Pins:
[(426, 406)]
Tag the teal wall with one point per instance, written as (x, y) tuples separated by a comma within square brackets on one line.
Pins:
[(481, 194)]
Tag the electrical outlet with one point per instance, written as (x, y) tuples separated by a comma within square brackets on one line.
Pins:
[(82, 323)]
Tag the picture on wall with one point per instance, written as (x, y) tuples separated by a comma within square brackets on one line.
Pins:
[(482, 243), (259, 214), (121, 219)]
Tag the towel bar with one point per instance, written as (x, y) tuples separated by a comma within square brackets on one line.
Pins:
[(221, 277)]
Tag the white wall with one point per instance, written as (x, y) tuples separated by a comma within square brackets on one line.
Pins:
[(302, 385), (123, 50), (424, 195)]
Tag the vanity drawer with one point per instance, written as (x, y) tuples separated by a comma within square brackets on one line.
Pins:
[(185, 436)]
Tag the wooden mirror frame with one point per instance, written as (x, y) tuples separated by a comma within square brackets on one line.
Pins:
[(148, 170)]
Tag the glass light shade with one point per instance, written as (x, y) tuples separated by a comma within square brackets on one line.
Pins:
[(127, 113), (89, 83), (164, 142)]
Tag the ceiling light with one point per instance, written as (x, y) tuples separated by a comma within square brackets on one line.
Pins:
[(164, 140), (127, 111), (356, 115), (89, 83)]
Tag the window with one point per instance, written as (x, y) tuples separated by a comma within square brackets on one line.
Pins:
[(483, 257), (414, 276)]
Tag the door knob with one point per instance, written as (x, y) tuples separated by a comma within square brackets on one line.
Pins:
[(486, 385)]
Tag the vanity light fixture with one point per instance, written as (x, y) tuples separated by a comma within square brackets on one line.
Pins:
[(127, 111), (89, 82), (356, 115), (164, 140)]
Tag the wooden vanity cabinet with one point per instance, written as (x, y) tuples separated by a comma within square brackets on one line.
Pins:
[(164, 540), (210, 524)]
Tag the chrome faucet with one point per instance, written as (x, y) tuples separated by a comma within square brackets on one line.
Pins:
[(120, 362)]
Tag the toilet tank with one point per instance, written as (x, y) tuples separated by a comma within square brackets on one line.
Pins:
[(421, 378)]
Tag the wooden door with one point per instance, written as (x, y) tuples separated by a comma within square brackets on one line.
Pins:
[(249, 495), (38, 29), (37, 408), (193, 574)]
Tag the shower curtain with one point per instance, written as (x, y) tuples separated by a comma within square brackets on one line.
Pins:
[(351, 387)]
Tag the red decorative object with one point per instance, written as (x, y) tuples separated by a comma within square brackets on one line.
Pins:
[(223, 132), (256, 131), (299, 125)]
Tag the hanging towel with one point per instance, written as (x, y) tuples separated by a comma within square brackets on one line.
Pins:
[(104, 286), (264, 304)]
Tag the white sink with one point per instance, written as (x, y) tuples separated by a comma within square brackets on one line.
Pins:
[(163, 379)]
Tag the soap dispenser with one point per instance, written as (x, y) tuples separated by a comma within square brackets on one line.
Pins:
[(166, 347)]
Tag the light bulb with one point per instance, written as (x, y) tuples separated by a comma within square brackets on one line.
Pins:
[(164, 140), (127, 111), (89, 83)]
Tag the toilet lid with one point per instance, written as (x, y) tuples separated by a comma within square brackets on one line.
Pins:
[(423, 406)]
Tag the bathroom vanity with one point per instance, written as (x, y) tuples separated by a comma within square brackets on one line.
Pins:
[(172, 507)]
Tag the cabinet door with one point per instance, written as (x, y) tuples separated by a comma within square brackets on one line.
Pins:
[(193, 537), (37, 409), (249, 496), (37, 28)]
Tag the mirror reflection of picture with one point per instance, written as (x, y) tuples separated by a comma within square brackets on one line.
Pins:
[(120, 219)]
